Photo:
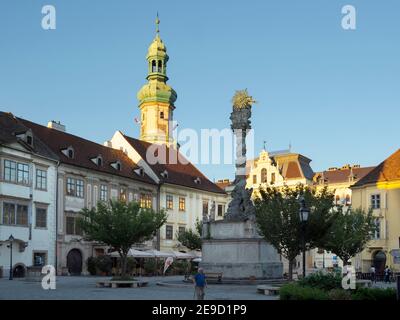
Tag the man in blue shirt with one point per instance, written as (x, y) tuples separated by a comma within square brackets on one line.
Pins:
[(200, 283)]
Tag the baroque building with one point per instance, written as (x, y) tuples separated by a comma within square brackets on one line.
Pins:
[(379, 191)]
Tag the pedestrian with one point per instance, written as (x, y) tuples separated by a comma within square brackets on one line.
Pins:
[(373, 273), (387, 273), (200, 284)]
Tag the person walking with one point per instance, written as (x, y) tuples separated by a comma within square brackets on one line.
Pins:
[(373, 274), (387, 273), (200, 284)]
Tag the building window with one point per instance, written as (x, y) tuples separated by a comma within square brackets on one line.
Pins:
[(41, 218), (348, 199), (221, 210), (16, 172), (264, 178), (72, 226), (39, 259), (162, 115), (169, 232), (337, 200), (375, 201), (41, 179), (8, 213), (75, 187), (170, 202), (377, 233), (182, 204), (15, 214), (103, 192), (273, 178), (205, 207), (181, 230), (122, 194), (254, 179), (10, 170), (145, 201), (23, 173)]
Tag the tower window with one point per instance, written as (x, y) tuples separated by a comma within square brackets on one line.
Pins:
[(159, 66), (153, 66), (162, 115)]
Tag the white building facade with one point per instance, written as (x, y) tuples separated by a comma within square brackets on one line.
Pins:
[(28, 175)]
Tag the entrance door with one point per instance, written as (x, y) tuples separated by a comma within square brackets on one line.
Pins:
[(74, 262), (379, 262)]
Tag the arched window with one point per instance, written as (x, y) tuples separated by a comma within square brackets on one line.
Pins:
[(159, 66), (348, 199), (337, 200), (153, 66), (264, 178)]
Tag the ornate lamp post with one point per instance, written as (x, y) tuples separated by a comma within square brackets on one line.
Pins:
[(11, 239), (304, 212)]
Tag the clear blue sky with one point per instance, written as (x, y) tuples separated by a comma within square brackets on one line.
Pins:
[(333, 93)]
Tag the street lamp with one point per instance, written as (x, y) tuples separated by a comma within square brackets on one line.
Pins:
[(304, 212), (11, 239)]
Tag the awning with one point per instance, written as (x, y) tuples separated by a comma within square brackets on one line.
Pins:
[(134, 253), (182, 255), (160, 254)]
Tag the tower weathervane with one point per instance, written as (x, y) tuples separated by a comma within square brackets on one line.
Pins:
[(157, 24)]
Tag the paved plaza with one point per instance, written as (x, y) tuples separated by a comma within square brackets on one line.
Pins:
[(81, 288)]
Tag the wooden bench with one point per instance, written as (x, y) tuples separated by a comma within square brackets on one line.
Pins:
[(214, 276), (120, 284), (268, 290)]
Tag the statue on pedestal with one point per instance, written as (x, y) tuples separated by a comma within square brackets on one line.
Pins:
[(241, 207)]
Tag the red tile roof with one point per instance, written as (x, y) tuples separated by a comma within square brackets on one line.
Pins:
[(388, 170), (10, 126), (84, 151), (343, 175), (180, 172)]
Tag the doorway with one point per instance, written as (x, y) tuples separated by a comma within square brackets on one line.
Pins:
[(74, 262)]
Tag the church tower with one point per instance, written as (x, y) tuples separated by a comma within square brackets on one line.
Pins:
[(156, 98)]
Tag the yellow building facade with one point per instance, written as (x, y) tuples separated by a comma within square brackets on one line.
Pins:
[(380, 191)]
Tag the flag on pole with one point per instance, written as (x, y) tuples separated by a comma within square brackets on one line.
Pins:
[(168, 262)]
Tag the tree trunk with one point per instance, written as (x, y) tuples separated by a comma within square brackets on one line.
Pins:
[(123, 264), (290, 269)]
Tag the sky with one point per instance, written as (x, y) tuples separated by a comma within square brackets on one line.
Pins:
[(333, 94)]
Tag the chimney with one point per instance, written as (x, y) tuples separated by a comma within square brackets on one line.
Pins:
[(108, 144), (56, 125)]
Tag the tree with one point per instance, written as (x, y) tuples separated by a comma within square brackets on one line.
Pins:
[(350, 233), (120, 225), (277, 218), (191, 239)]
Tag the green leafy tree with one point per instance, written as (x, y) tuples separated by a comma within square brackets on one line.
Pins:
[(349, 234), (120, 225), (277, 218), (190, 238)]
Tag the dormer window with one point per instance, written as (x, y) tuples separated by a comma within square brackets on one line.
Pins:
[(116, 165), (27, 137), (98, 160), (69, 152), (164, 174), (29, 140), (139, 171)]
